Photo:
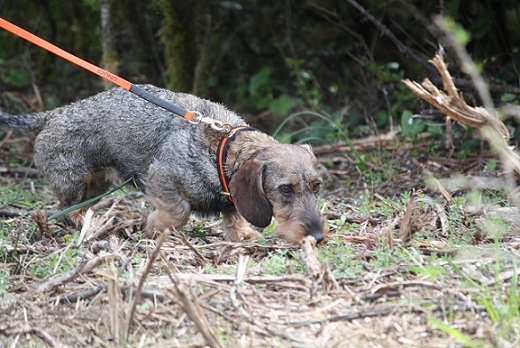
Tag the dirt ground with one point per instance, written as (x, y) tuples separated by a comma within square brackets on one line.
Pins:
[(405, 264)]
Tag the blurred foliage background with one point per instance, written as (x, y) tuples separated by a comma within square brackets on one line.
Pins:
[(343, 59)]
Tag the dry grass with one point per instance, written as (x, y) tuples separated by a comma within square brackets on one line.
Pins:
[(106, 286)]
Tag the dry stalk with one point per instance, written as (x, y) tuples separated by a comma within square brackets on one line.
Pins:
[(43, 224), (451, 103), (404, 231), (191, 306), (200, 258), (116, 305), (310, 257), (140, 285), (453, 106)]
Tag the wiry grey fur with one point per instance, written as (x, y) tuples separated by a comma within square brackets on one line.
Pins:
[(81, 148)]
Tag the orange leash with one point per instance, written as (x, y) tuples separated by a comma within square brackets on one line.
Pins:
[(191, 116)]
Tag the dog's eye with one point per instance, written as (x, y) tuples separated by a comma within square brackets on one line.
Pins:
[(285, 189), (316, 187)]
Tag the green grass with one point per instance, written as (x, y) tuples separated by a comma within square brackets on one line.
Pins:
[(4, 281), (29, 195), (339, 257), (280, 262), (55, 263), (500, 301), (455, 333)]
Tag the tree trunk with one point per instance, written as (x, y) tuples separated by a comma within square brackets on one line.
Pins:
[(178, 38), (110, 61)]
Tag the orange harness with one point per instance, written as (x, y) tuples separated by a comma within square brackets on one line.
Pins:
[(222, 152)]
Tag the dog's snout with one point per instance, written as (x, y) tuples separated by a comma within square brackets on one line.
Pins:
[(317, 228), (318, 235)]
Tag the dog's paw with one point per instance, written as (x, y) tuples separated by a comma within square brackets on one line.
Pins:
[(74, 218), (159, 220), (243, 233), (249, 233)]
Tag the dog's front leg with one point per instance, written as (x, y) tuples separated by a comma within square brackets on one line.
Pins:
[(236, 227)]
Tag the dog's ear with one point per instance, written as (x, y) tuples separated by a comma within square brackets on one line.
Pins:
[(247, 191)]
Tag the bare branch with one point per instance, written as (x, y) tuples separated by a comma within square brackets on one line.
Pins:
[(452, 104)]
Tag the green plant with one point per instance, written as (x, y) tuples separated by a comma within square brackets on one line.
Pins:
[(264, 93), (281, 262), (430, 270), (309, 131), (411, 126), (501, 303), (457, 334), (337, 255), (60, 261)]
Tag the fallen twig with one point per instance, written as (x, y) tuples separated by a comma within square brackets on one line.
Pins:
[(42, 334), (375, 312), (30, 172), (125, 290), (137, 297), (310, 257), (7, 213), (56, 280), (404, 230), (264, 279), (403, 284), (60, 279), (192, 308)]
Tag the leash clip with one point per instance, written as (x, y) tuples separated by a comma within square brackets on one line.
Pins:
[(216, 125), (196, 119)]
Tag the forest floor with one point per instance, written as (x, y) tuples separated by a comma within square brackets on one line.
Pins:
[(422, 251)]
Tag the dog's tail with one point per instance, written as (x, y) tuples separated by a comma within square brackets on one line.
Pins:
[(34, 121)]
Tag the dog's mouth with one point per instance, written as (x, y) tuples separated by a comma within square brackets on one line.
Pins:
[(317, 229), (295, 230)]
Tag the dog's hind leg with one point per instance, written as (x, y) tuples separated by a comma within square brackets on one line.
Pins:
[(77, 187), (70, 190)]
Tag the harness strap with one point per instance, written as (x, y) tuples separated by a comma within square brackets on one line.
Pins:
[(222, 152)]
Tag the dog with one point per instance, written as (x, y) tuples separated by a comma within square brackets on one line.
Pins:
[(82, 148)]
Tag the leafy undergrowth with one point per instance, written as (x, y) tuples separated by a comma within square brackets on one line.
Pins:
[(403, 265)]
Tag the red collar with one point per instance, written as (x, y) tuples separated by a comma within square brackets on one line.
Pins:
[(222, 152)]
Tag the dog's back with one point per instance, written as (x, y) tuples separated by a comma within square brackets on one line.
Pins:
[(81, 147)]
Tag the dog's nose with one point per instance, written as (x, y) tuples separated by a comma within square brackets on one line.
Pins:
[(318, 235)]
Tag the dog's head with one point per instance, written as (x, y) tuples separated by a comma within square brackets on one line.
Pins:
[(281, 181)]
